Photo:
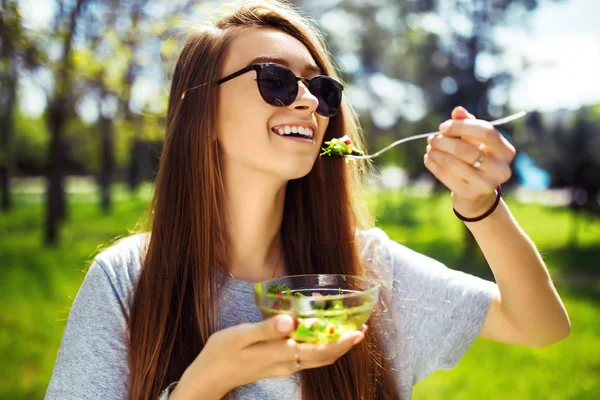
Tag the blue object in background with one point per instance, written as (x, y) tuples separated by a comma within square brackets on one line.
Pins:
[(530, 175)]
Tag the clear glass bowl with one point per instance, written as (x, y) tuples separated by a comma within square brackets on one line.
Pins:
[(324, 306)]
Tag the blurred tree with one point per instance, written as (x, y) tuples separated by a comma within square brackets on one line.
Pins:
[(122, 55), (60, 107), (30, 141), (446, 49), (408, 59), (107, 150), (18, 52), (585, 188), (567, 144), (134, 42), (571, 156), (99, 65)]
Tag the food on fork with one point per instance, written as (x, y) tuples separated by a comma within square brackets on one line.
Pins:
[(341, 147)]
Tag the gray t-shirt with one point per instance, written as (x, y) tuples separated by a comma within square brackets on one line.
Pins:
[(436, 314)]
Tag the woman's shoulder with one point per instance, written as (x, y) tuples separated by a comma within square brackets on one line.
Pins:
[(439, 311), (376, 246), (375, 242), (127, 246), (122, 260)]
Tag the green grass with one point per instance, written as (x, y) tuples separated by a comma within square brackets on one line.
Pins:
[(429, 226), (39, 284), (565, 370)]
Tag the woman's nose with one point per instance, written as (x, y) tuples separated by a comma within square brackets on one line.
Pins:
[(305, 100)]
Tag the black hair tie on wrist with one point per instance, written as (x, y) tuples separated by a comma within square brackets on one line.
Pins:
[(491, 210)]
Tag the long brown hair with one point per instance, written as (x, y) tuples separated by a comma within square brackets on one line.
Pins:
[(174, 304)]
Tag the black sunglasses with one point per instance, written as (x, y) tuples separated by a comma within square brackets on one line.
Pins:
[(278, 86)]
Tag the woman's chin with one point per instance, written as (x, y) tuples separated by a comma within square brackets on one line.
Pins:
[(296, 172)]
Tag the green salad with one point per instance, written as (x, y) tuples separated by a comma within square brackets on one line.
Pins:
[(341, 147), (328, 320)]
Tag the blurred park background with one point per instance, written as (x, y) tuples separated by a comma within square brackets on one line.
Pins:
[(83, 94)]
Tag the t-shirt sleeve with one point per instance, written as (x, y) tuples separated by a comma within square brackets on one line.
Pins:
[(92, 358), (438, 312)]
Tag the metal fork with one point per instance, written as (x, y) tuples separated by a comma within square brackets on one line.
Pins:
[(497, 122)]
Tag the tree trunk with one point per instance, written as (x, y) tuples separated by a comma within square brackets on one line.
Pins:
[(6, 201), (107, 169), (58, 106), (135, 168), (55, 197), (7, 113), (6, 133)]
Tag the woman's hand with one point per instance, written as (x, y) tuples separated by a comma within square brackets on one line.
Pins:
[(250, 352), (472, 159)]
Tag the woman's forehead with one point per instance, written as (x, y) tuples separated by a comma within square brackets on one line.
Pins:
[(261, 45)]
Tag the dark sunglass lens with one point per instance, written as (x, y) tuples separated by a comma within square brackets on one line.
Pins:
[(329, 93), (277, 85)]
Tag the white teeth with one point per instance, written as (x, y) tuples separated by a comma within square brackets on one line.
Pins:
[(287, 130)]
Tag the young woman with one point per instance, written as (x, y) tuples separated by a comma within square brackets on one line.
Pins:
[(242, 195)]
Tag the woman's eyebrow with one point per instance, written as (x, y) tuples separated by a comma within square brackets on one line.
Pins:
[(308, 69)]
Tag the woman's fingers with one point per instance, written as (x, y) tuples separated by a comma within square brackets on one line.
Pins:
[(483, 132), (255, 351), (461, 178), (281, 355), (244, 335), (273, 352), (319, 355), (496, 171), (451, 181), (459, 148), (470, 157)]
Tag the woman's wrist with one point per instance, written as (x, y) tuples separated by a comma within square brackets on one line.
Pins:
[(198, 390), (472, 211), (200, 384)]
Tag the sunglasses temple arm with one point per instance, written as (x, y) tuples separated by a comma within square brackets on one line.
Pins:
[(222, 80), (238, 73), (192, 88)]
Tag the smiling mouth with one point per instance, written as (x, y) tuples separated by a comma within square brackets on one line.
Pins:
[(297, 138), (294, 132)]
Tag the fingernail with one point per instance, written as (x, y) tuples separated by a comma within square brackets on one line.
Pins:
[(284, 324), (357, 339), (444, 127)]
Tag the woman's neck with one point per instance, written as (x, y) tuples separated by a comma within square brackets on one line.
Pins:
[(255, 210)]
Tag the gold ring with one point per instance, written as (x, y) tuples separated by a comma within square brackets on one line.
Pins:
[(477, 164)]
